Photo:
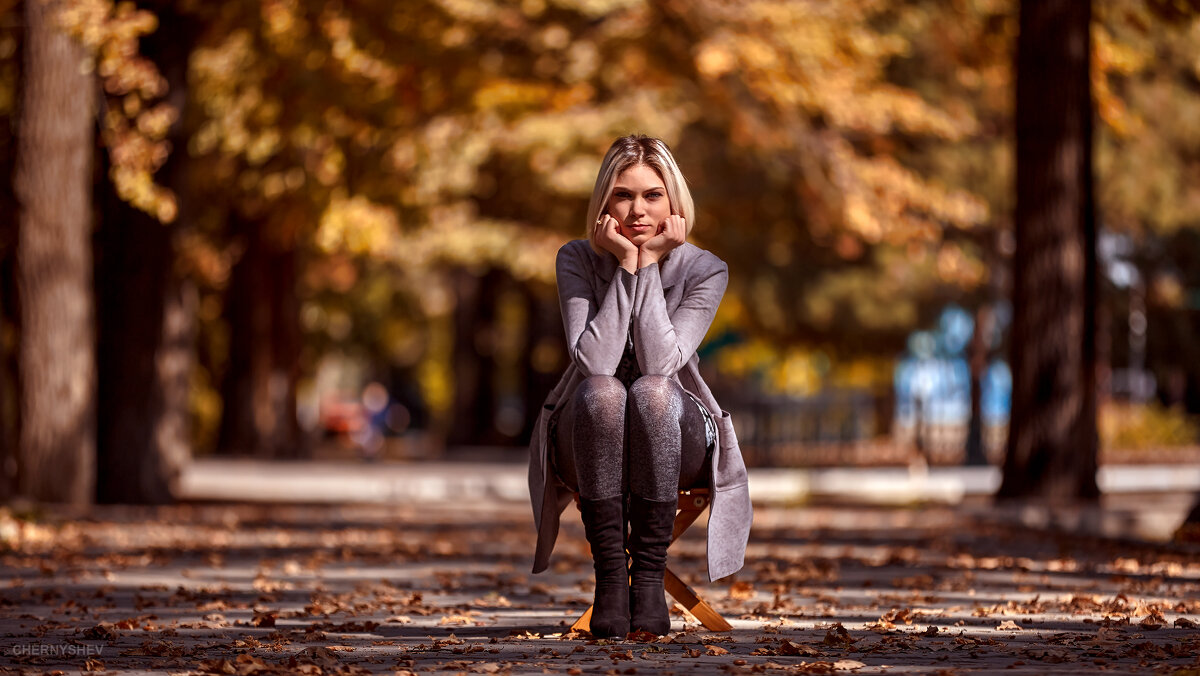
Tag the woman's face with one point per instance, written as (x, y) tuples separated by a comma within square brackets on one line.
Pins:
[(639, 202)]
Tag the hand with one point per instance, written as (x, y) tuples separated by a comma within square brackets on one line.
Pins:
[(671, 233), (607, 236)]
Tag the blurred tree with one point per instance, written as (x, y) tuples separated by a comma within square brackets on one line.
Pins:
[(56, 449), (146, 319), (1052, 439), (348, 166), (10, 45)]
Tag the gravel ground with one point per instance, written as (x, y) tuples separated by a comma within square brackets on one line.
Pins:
[(446, 589)]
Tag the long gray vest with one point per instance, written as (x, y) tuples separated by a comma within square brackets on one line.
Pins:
[(671, 307)]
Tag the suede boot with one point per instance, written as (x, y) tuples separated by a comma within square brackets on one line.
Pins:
[(650, 526), (604, 525)]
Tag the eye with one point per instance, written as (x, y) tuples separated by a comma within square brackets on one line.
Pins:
[(654, 195), (623, 194)]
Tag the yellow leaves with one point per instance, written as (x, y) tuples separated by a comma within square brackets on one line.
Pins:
[(791, 371), (887, 201), (470, 10), (1112, 57), (956, 267), (219, 65), (512, 94), (714, 59), (356, 60), (283, 24), (132, 132), (599, 8), (358, 226)]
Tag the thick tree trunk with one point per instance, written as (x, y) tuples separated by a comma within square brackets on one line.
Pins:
[(9, 330), (56, 448), (147, 318), (146, 344), (9, 313), (1052, 441)]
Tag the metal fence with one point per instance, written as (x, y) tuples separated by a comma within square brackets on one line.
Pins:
[(847, 428)]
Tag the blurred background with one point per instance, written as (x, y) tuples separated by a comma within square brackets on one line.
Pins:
[(292, 229)]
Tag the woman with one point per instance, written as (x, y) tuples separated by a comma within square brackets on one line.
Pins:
[(631, 422)]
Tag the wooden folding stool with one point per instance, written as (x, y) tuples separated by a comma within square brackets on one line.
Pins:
[(691, 504)]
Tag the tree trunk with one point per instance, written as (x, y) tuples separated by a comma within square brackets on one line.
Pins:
[(542, 354), (473, 419), (147, 317), (1052, 442), (146, 344), (977, 358), (9, 330), (56, 447), (258, 391), (286, 341)]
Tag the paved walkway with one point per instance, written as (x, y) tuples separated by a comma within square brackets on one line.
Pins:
[(1140, 501), (444, 588)]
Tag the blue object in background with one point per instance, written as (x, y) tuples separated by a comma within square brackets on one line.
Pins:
[(934, 376)]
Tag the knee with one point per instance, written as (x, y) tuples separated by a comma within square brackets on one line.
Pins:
[(655, 391), (601, 395)]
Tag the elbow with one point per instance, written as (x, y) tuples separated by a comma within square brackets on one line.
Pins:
[(666, 365), (587, 367)]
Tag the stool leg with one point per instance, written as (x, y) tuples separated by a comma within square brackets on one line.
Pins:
[(710, 618), (584, 623)]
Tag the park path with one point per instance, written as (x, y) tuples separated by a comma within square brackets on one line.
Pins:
[(444, 588)]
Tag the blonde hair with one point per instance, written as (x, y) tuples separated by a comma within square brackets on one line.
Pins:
[(631, 151)]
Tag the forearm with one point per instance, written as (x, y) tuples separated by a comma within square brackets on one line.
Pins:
[(596, 334), (664, 341)]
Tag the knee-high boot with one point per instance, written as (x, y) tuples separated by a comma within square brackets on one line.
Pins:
[(604, 525), (650, 526)]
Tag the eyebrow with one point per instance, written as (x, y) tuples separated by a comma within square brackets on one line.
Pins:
[(622, 187)]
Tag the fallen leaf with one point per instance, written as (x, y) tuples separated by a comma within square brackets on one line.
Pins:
[(1008, 625), (715, 650), (793, 648), (105, 631), (264, 618), (1153, 621), (217, 666), (320, 656), (741, 591)]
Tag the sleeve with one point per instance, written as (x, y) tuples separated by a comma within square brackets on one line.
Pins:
[(665, 343), (596, 328)]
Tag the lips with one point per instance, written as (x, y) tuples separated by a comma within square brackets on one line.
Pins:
[(640, 227)]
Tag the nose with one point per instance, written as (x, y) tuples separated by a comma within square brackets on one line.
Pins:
[(639, 207)]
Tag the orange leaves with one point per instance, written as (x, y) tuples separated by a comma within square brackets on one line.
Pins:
[(838, 636), (715, 651), (132, 131)]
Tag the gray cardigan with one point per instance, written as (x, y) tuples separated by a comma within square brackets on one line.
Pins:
[(672, 306)]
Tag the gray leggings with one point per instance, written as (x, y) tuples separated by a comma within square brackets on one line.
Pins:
[(648, 440)]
